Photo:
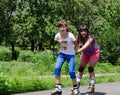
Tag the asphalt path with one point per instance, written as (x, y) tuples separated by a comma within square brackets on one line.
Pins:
[(112, 88)]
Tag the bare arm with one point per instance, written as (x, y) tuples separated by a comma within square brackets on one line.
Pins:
[(59, 41), (87, 44), (75, 44)]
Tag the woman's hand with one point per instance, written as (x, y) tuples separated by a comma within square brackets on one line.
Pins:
[(60, 41), (76, 52)]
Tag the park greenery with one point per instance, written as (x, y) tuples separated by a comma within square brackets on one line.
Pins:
[(32, 24), (27, 49), (34, 71)]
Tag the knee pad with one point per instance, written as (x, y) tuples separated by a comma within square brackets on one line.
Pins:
[(90, 69), (81, 69)]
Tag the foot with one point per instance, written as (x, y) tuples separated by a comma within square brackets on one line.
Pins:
[(75, 91), (90, 89), (57, 91)]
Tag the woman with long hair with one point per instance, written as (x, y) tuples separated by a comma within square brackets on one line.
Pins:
[(89, 55)]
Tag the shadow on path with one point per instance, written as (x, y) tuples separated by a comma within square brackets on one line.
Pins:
[(96, 93)]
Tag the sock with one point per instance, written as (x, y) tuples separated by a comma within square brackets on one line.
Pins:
[(75, 85), (78, 78), (92, 81), (58, 84)]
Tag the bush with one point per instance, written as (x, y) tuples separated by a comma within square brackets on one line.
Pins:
[(42, 60), (24, 84), (109, 46), (5, 54), (3, 86), (25, 56), (118, 62)]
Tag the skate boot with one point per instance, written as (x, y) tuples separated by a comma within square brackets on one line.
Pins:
[(78, 84), (90, 90), (75, 91), (78, 81), (57, 91)]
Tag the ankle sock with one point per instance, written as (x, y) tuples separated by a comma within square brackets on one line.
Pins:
[(78, 78), (92, 80)]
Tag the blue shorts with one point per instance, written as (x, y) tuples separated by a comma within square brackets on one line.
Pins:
[(71, 64)]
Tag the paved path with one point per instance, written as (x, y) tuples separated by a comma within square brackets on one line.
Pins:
[(101, 89)]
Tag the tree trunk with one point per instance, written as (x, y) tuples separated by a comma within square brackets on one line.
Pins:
[(13, 51), (32, 45)]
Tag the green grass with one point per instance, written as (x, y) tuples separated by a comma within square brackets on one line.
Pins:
[(17, 77)]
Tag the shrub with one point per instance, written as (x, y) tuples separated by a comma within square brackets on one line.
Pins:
[(25, 56), (42, 60), (109, 46), (3, 86), (5, 54)]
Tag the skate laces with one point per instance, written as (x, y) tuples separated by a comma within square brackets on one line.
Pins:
[(58, 88), (75, 90), (91, 87)]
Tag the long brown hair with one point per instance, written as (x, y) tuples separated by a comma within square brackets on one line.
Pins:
[(80, 39)]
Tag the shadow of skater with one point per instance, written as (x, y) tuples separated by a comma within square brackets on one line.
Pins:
[(96, 93), (100, 93)]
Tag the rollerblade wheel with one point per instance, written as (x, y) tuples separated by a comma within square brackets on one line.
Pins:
[(71, 93), (56, 93)]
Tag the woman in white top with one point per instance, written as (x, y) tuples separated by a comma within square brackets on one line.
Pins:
[(67, 53)]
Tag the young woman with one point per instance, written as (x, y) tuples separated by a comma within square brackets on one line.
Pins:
[(67, 53), (89, 55)]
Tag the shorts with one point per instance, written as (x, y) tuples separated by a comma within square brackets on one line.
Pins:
[(91, 57)]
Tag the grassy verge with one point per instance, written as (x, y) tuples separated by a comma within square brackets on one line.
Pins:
[(19, 77), (100, 78), (28, 84)]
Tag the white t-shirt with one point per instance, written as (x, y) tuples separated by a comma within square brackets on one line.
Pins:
[(66, 45)]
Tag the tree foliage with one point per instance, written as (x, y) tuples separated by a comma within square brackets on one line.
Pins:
[(33, 23)]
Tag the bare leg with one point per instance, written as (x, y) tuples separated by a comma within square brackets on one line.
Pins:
[(91, 87), (58, 90), (92, 74), (74, 82), (80, 71), (79, 74), (75, 89), (57, 80)]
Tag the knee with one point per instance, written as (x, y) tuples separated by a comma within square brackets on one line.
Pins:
[(81, 69), (90, 69)]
